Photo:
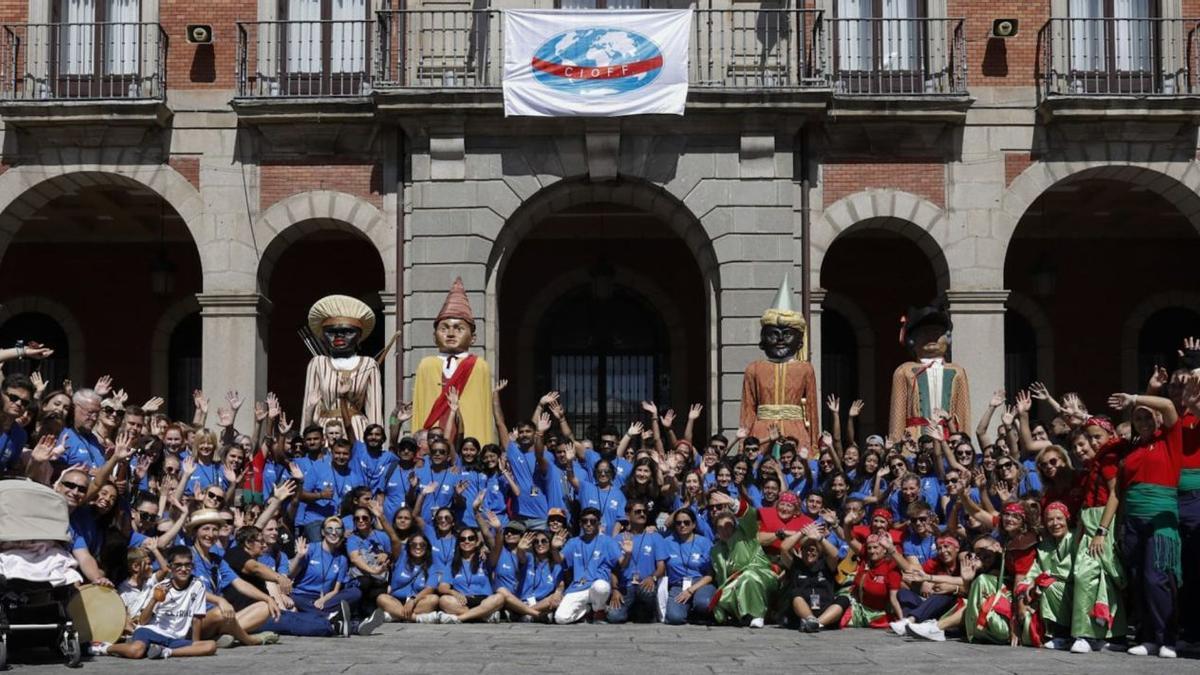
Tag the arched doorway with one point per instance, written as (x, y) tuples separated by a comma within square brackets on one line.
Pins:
[(115, 256), (328, 258), (882, 266), (839, 361), (38, 327), (609, 303), (1020, 352), (1085, 254), (184, 366)]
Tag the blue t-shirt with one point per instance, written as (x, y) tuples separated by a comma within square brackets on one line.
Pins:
[(374, 542), (610, 501), (204, 476), (395, 489), (538, 579), (504, 574), (371, 468), (441, 549), (408, 580), (321, 475), (85, 532), (320, 570), (443, 495), (82, 448), (277, 561), (922, 549), (648, 550), (496, 493), (12, 443), (687, 560), (468, 580), (622, 468), (590, 560), (215, 573), (531, 503)]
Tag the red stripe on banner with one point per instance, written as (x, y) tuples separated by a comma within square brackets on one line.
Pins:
[(598, 72)]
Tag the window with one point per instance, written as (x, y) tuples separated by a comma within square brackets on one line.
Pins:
[(326, 46), (602, 4), (879, 34), (1113, 37), (97, 46)]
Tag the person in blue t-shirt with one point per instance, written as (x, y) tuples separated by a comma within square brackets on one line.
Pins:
[(502, 553), (540, 589), (18, 397), (919, 544), (466, 589), (689, 570), (605, 496), (440, 482), (441, 537), (636, 593), (412, 592), (322, 576), (591, 560), (83, 447), (371, 459)]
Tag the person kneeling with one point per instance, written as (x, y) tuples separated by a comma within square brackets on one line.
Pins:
[(170, 611)]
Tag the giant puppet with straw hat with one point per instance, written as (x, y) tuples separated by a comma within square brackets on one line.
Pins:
[(929, 383), (339, 384), (781, 390), (456, 368)]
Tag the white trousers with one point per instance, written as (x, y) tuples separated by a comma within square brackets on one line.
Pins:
[(575, 605)]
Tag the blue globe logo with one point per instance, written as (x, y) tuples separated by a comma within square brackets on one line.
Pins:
[(593, 62)]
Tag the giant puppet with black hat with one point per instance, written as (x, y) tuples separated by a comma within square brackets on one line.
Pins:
[(340, 384), (454, 367), (928, 382), (782, 388)]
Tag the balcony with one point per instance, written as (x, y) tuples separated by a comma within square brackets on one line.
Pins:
[(1098, 68), (907, 67), (297, 69), (84, 72)]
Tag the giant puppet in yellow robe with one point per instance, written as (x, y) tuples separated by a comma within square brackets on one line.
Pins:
[(781, 389), (454, 366)]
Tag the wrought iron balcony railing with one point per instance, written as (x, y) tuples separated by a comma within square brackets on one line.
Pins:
[(305, 59), (1118, 57), (898, 56), (84, 61)]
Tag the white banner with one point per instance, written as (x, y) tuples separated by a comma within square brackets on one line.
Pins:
[(595, 63)]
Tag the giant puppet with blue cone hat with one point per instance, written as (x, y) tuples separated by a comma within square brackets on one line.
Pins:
[(929, 382), (781, 389)]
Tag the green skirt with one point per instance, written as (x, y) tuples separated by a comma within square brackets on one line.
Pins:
[(747, 594), (1097, 611), (987, 612)]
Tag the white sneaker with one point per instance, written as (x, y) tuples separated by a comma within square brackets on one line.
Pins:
[(372, 622), (494, 618), (1081, 646), (927, 630), (898, 627), (428, 617), (757, 622), (1144, 649), (1166, 652), (154, 651), (1058, 644), (449, 618)]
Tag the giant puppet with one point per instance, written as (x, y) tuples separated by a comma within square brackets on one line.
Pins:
[(782, 388), (342, 385), (929, 382), (454, 366)]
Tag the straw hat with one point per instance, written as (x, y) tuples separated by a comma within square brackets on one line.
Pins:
[(204, 517), (334, 309)]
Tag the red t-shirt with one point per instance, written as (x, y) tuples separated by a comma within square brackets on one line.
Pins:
[(872, 584), (1191, 440), (770, 521), (1092, 481), (936, 566), (860, 533), (1158, 461)]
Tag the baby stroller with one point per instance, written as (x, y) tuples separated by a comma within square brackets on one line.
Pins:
[(35, 578)]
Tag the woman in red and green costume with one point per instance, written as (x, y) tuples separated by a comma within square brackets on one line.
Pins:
[(1044, 594), (1149, 485)]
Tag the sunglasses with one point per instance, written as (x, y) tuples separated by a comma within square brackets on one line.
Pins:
[(334, 530), (591, 520), (214, 495), (1005, 465), (111, 411), (418, 544), (682, 522), (362, 518), (603, 472), (542, 541), (469, 539), (445, 519), (145, 515), (638, 512), (73, 486), (17, 399), (1049, 462), (921, 519), (182, 566)]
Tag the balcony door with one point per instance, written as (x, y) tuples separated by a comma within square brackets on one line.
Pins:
[(326, 47), (602, 4), (879, 46), (95, 48), (1114, 46)]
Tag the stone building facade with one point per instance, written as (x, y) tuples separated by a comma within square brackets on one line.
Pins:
[(169, 209)]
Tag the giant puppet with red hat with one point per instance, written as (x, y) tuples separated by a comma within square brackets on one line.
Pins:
[(929, 382), (454, 367)]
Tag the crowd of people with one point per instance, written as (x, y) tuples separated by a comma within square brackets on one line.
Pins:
[(1069, 533)]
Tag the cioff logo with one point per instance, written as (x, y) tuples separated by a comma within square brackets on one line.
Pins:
[(592, 62)]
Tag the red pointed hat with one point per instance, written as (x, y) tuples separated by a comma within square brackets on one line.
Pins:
[(456, 306)]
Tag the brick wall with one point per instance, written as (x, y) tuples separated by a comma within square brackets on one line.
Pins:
[(1014, 164), (1001, 62), (14, 11), (927, 179), (188, 167), (212, 66), (350, 175)]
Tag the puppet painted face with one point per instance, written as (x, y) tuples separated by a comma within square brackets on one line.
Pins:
[(930, 341), (780, 343), (342, 339), (453, 336)]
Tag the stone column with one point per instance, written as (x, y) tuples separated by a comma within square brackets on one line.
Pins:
[(234, 329), (979, 341), (392, 377), (816, 307)]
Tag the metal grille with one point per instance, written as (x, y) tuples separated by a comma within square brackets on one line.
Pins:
[(599, 390), (318, 58), (1107, 56), (111, 60), (907, 56)]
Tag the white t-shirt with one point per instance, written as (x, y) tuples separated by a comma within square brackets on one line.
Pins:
[(173, 616), (132, 596)]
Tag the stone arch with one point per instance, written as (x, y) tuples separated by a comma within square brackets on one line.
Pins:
[(25, 189), (1176, 182), (61, 315), (917, 219), (290, 219), (160, 341), (1043, 330), (864, 336), (1132, 328)]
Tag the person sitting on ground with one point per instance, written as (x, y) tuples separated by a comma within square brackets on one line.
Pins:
[(811, 581)]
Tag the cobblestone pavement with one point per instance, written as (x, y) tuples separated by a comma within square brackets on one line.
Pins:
[(657, 649)]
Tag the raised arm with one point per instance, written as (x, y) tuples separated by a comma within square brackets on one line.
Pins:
[(834, 404), (1160, 405), (985, 420)]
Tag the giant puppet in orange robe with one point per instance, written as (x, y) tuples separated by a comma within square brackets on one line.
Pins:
[(454, 366), (782, 388), (929, 382)]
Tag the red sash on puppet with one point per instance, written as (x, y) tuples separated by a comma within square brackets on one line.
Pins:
[(458, 380)]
